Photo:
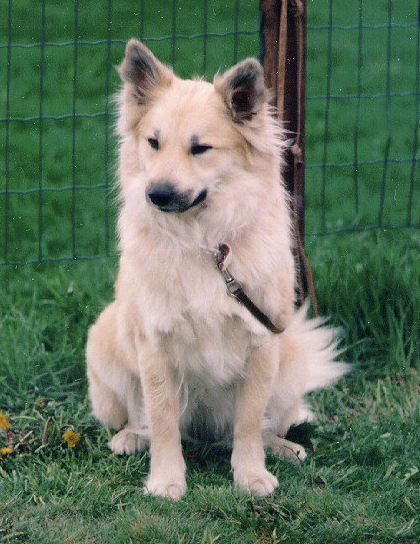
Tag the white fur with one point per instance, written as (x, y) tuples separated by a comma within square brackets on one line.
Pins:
[(174, 355)]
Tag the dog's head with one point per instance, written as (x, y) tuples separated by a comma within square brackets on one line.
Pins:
[(189, 138)]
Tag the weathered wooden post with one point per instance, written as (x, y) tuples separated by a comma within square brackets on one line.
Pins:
[(283, 24)]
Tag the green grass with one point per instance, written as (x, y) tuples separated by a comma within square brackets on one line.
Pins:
[(360, 483), (361, 480)]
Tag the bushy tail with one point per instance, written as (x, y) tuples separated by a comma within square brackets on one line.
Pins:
[(316, 346), (308, 362)]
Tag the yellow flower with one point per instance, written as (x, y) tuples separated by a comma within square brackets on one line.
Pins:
[(71, 438), (4, 422), (5, 451)]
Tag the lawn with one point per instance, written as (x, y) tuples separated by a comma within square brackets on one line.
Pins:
[(360, 482)]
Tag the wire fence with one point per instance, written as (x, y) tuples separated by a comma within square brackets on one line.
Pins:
[(57, 75), (367, 150)]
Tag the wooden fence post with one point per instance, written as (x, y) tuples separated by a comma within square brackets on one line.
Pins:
[(283, 24)]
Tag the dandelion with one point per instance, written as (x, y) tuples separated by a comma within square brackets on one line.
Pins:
[(4, 422), (5, 451), (71, 438)]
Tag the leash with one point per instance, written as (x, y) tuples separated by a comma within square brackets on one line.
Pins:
[(222, 258), (283, 57)]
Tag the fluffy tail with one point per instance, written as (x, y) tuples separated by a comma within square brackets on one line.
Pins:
[(308, 362)]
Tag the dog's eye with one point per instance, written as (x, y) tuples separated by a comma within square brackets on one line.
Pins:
[(198, 149), (154, 144)]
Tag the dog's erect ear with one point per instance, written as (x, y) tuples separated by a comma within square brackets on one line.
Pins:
[(242, 88), (142, 69)]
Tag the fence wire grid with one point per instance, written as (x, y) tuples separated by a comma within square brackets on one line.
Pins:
[(57, 77)]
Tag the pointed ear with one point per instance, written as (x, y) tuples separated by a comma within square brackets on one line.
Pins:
[(141, 69), (242, 88)]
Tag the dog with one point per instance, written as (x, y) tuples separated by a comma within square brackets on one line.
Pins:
[(174, 356)]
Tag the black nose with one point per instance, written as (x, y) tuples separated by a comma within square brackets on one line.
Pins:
[(167, 199), (162, 196)]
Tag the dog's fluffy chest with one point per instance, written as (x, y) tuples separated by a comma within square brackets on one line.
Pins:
[(206, 334), (209, 351)]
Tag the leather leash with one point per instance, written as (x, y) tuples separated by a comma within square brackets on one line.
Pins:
[(293, 13), (234, 288), (283, 56)]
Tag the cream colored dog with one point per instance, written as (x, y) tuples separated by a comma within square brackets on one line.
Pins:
[(174, 356)]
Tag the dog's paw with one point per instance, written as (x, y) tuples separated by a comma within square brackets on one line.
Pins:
[(172, 487), (285, 448), (127, 442), (255, 482)]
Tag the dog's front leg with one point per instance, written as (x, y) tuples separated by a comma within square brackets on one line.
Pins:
[(248, 459), (167, 466)]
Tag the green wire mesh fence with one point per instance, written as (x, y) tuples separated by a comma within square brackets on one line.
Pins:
[(363, 170), (56, 115)]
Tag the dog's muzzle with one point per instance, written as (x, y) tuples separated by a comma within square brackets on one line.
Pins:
[(167, 199)]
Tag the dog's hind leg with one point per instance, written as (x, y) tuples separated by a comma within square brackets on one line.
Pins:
[(114, 390), (282, 418), (285, 448), (105, 405), (135, 435)]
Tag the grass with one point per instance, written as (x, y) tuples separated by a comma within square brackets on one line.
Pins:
[(359, 485), (361, 481)]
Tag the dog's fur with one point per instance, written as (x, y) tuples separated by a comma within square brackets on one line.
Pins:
[(173, 355)]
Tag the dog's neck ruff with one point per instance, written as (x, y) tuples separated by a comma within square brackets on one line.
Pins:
[(222, 258)]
